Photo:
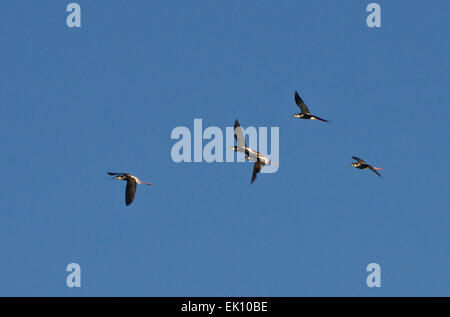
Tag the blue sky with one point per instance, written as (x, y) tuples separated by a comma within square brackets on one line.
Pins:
[(76, 103)]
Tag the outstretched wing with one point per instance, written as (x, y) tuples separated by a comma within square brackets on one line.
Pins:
[(300, 103), (317, 118), (359, 160), (130, 191), (239, 135), (114, 174), (256, 169), (374, 170)]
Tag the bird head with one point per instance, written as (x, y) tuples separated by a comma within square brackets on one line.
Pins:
[(298, 115)]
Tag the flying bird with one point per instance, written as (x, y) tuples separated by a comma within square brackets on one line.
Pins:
[(130, 190), (305, 114), (250, 154), (363, 165)]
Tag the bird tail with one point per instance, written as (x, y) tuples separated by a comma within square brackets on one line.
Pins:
[(149, 184)]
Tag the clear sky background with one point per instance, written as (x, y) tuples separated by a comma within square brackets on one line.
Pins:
[(76, 103)]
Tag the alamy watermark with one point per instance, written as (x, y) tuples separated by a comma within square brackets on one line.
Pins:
[(216, 151), (74, 278), (74, 18), (374, 18), (374, 278)]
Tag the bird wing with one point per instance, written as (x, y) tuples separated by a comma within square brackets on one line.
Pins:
[(130, 191), (359, 160), (300, 103), (374, 170), (114, 174), (321, 119), (256, 169), (239, 134)]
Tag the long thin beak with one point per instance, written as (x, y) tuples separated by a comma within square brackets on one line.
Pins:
[(149, 184)]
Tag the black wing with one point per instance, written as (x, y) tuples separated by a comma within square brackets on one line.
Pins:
[(316, 117), (300, 103), (239, 134), (130, 191), (256, 169), (114, 174), (359, 160), (236, 124), (374, 170)]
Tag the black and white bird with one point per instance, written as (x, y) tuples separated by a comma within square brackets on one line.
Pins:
[(363, 165), (304, 114), (250, 154), (130, 190)]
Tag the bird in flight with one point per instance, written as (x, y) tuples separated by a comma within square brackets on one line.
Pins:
[(305, 114), (130, 190), (363, 165), (250, 154)]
